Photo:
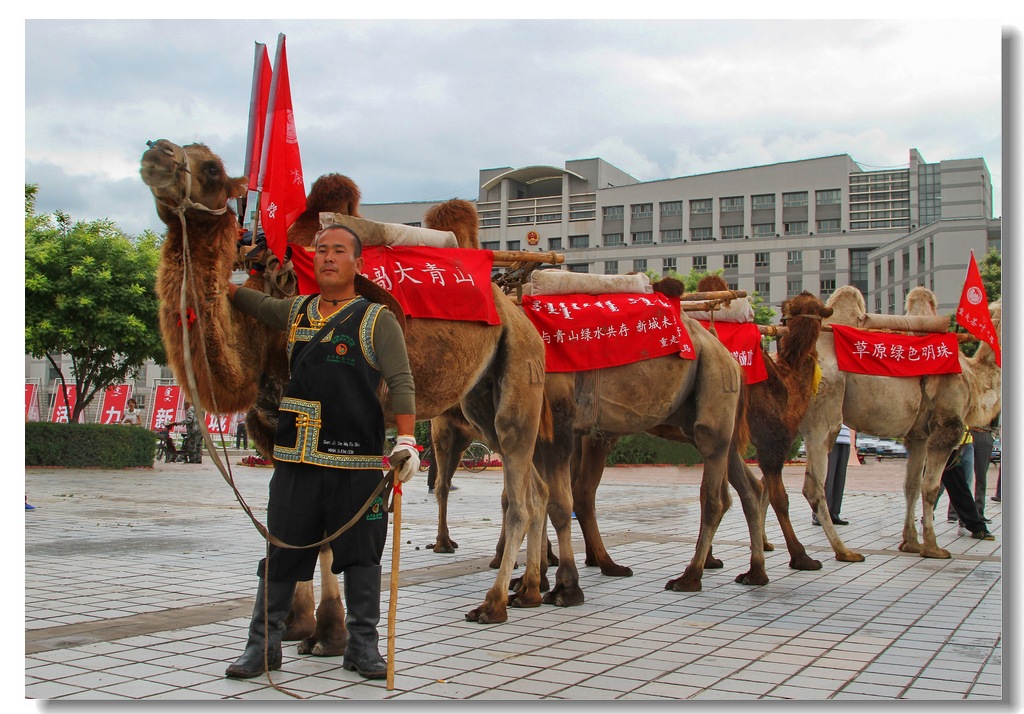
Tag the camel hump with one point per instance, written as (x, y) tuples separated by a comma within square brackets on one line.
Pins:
[(673, 287), (921, 301), (458, 216), (712, 283), (399, 234)]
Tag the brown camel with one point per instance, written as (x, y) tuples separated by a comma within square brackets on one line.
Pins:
[(928, 413), (494, 372)]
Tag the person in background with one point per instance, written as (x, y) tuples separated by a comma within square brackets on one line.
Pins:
[(955, 483), (984, 441), (131, 414), (241, 435), (835, 480)]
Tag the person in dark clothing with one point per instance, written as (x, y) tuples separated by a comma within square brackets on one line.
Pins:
[(328, 450), (241, 435), (984, 441), (955, 483)]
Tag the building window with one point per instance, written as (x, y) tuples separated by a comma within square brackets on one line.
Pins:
[(878, 275), (640, 265), (642, 210), (827, 288), (796, 228), (762, 260), (906, 263), (612, 239), (829, 226), (859, 268), (520, 219), (672, 236), (765, 201), (828, 255), (797, 198), (612, 213), (732, 284), (611, 267), (764, 230), (579, 241), (515, 245), (830, 197), (795, 257), (490, 244), (731, 203), (700, 205), (579, 268), (732, 232), (549, 217), (701, 234), (700, 263), (891, 273), (555, 243), (920, 258), (794, 286), (732, 260), (763, 289), (643, 238), (668, 265), (671, 208)]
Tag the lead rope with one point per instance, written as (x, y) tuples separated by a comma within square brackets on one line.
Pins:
[(208, 440)]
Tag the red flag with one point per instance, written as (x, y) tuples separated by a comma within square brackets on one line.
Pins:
[(972, 313), (283, 191), (258, 102)]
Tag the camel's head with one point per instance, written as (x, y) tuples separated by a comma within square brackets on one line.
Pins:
[(921, 301), (805, 304), (192, 177), (847, 305)]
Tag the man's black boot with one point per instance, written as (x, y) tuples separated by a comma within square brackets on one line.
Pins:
[(362, 601), (264, 633)]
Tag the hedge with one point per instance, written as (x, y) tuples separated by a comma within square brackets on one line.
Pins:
[(88, 445)]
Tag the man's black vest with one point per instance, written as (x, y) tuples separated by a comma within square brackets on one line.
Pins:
[(331, 414)]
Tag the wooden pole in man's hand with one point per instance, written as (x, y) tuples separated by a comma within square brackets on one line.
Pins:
[(396, 542)]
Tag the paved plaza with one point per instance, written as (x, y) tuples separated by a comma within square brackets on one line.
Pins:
[(139, 585)]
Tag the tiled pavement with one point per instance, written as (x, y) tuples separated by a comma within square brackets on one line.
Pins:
[(139, 584)]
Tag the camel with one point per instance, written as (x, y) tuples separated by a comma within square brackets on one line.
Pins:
[(494, 373), (928, 413)]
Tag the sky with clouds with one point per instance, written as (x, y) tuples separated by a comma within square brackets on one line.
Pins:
[(413, 109)]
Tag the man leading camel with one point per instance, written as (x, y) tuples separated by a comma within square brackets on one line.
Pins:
[(327, 449)]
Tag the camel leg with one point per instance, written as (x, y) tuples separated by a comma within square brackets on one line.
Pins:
[(776, 490), (944, 438), (714, 502), (301, 622), (814, 492), (553, 459), (750, 492), (330, 636), (916, 455), (451, 434), (589, 459)]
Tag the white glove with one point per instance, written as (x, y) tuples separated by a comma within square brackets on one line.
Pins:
[(405, 445)]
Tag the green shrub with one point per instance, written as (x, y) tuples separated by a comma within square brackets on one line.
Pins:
[(646, 449), (111, 446)]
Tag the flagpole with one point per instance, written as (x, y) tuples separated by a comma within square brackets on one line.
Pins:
[(268, 127), (254, 107)]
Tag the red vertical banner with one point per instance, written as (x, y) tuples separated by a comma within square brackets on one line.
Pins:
[(31, 401), (61, 411), (166, 403), (217, 423), (115, 399)]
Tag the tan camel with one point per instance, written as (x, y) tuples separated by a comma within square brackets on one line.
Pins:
[(495, 372), (928, 413)]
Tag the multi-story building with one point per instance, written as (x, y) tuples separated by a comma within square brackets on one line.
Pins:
[(779, 229)]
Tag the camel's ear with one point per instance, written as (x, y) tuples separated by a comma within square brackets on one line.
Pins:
[(785, 307), (827, 312), (239, 186)]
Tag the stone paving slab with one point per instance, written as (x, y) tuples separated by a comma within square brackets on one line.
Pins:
[(139, 584)]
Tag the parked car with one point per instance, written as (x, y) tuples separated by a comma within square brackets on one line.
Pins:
[(997, 453)]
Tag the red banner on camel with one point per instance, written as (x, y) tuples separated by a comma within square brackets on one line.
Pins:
[(743, 340), (442, 283), (891, 355), (584, 332)]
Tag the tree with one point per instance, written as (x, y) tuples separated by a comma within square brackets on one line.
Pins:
[(89, 294), (991, 269)]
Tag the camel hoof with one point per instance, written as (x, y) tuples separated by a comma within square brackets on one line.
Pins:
[(850, 557), (616, 571), (485, 616), (305, 647), (910, 547), (590, 561), (682, 585), (768, 546), (935, 553), (565, 596), (521, 599), (712, 563), (804, 562), (750, 578), (440, 547)]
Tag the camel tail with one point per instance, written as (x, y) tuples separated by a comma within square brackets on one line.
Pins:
[(546, 428)]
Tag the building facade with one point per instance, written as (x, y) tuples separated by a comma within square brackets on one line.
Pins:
[(814, 224)]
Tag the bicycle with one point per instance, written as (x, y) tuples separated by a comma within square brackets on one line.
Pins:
[(477, 457)]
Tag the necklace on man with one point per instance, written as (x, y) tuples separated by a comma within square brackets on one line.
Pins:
[(336, 302)]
